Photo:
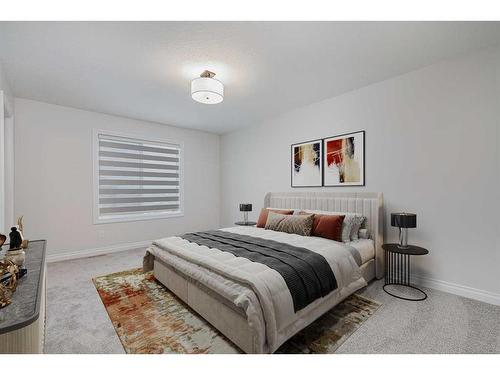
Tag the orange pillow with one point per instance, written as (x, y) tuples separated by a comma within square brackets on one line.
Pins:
[(261, 222), (327, 226)]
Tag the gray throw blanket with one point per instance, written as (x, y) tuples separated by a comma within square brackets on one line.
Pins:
[(306, 273)]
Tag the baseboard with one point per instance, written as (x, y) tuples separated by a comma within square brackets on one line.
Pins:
[(461, 290), (444, 286), (52, 258)]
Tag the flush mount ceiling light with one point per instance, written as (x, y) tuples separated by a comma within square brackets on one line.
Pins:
[(207, 89)]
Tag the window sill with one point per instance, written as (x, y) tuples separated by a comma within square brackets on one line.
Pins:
[(121, 219)]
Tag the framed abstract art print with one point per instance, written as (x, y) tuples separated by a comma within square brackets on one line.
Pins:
[(307, 164), (344, 160)]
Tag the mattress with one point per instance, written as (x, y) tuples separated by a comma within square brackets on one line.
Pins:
[(365, 249)]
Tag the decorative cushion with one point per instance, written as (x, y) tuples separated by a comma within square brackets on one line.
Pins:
[(328, 226), (351, 218), (358, 221), (348, 223), (296, 224), (261, 222)]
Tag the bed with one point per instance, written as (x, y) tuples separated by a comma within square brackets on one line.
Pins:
[(252, 304)]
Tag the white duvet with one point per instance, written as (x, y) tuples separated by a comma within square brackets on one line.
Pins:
[(257, 289)]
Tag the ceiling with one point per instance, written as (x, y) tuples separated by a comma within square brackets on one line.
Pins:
[(143, 70)]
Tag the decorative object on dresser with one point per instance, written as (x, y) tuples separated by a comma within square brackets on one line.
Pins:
[(245, 208), (22, 322), (16, 256), (8, 281), (306, 164), (397, 269), (403, 221), (344, 160), (20, 228), (15, 253), (15, 238)]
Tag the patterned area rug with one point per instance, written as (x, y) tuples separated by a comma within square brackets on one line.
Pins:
[(150, 319)]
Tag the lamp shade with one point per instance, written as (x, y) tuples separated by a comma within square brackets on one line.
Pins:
[(404, 220), (245, 207), (207, 90)]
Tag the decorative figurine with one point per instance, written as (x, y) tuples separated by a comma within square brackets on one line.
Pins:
[(16, 239), (20, 226), (3, 238), (15, 254), (8, 284)]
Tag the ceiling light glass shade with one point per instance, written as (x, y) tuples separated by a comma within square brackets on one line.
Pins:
[(207, 90)]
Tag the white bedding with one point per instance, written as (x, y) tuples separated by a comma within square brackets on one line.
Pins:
[(257, 289)]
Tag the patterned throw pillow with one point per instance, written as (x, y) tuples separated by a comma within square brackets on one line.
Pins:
[(358, 221), (261, 222), (347, 227), (296, 224), (273, 219)]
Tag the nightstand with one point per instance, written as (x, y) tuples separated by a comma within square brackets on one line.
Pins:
[(397, 268), (246, 224)]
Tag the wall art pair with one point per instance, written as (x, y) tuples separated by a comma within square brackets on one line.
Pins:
[(334, 161)]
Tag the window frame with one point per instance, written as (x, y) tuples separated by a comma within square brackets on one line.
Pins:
[(97, 219)]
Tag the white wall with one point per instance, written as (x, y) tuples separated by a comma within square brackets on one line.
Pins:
[(53, 178), (6, 154), (4, 84), (431, 148), (3, 225), (8, 93), (9, 170)]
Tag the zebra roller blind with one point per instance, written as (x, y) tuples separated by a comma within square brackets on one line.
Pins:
[(137, 178)]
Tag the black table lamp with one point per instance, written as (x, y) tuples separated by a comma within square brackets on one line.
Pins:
[(403, 221), (245, 208)]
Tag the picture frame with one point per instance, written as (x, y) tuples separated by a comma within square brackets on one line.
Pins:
[(306, 164), (344, 159)]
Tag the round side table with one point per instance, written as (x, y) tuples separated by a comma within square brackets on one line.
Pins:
[(246, 223), (397, 268)]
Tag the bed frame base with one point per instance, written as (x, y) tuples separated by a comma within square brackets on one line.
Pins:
[(231, 323)]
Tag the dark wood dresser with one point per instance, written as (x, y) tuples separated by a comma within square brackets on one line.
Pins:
[(22, 323)]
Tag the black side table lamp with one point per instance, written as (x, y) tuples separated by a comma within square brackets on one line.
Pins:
[(403, 221), (245, 208)]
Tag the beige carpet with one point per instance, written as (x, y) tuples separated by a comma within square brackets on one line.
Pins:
[(150, 319)]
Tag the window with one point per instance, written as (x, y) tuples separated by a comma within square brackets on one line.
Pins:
[(136, 179)]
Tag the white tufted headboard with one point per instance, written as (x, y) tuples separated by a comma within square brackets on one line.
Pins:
[(367, 204)]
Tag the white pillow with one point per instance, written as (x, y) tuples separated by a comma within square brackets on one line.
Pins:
[(363, 234)]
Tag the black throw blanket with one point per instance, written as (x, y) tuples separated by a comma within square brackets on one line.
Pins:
[(306, 273)]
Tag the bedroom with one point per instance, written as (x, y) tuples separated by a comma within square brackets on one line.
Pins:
[(250, 187)]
